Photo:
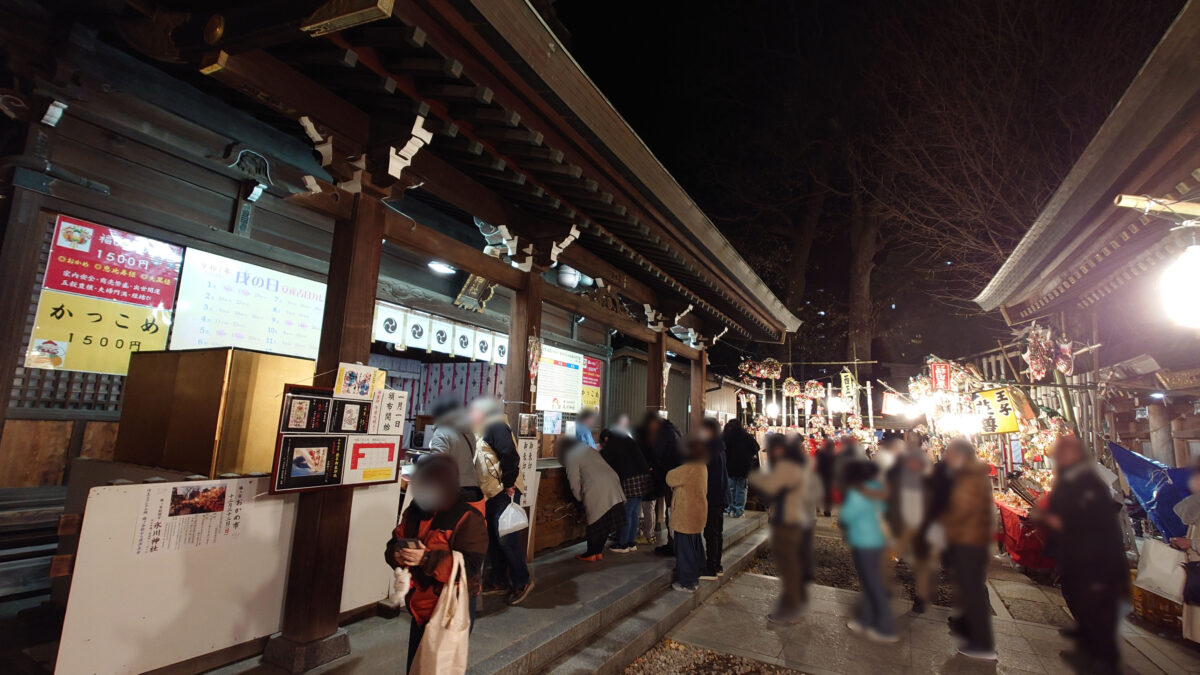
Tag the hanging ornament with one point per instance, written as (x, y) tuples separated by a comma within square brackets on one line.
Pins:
[(1038, 353), (534, 356), (1064, 356), (791, 388)]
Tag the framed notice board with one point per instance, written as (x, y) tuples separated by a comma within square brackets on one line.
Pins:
[(329, 441)]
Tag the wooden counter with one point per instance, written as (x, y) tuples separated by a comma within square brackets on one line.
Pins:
[(559, 519)]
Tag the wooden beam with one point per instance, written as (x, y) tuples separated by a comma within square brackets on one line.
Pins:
[(277, 85), (447, 182), (309, 635), (413, 236), (577, 304), (680, 348), (525, 322)]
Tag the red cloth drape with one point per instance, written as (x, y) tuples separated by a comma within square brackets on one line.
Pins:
[(1025, 544)]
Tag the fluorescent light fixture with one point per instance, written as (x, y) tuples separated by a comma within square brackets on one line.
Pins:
[(439, 267), (1158, 395)]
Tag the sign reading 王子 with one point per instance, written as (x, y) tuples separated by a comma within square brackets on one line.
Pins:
[(997, 413), (106, 294)]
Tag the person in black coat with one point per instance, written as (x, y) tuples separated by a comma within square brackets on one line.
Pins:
[(741, 457), (826, 461), (625, 457), (1087, 544), (663, 448), (718, 480)]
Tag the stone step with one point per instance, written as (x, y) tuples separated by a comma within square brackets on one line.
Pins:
[(620, 643), (573, 601)]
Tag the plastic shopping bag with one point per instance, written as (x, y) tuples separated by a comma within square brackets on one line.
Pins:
[(443, 648), (513, 519)]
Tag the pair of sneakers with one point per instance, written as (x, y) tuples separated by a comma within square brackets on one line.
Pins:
[(870, 633), (680, 587), (616, 548)]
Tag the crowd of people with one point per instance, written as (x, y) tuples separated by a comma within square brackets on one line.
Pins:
[(631, 483)]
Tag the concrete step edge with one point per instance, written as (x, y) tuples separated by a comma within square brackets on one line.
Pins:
[(619, 644), (534, 652)]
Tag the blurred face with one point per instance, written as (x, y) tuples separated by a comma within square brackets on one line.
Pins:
[(955, 459), (431, 491), (476, 415), (623, 422), (1067, 452)]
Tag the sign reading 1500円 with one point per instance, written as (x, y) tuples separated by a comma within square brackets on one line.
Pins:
[(106, 293)]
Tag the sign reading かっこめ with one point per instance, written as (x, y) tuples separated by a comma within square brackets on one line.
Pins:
[(106, 293)]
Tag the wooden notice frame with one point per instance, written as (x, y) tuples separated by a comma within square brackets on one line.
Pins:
[(316, 450)]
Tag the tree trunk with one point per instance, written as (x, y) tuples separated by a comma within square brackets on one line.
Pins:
[(864, 244)]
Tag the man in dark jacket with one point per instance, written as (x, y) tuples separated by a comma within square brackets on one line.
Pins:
[(741, 456), (663, 448), (718, 480), (1086, 542)]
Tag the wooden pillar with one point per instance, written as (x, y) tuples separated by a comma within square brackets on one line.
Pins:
[(310, 634), (525, 321), (1161, 445), (698, 381), (656, 358), (1183, 457)]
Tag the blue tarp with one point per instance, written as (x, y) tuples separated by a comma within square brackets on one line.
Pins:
[(1157, 487)]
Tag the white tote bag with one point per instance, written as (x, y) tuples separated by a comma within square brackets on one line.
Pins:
[(443, 648), (1160, 570)]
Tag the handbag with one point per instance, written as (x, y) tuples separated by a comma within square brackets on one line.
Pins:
[(443, 648)]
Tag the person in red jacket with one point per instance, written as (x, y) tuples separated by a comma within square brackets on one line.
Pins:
[(438, 522)]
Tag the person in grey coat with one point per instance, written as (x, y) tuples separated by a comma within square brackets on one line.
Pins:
[(594, 483), (452, 435)]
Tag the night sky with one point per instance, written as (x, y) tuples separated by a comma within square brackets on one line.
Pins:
[(732, 95)]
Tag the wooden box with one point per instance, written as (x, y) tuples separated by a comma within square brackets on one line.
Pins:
[(205, 411)]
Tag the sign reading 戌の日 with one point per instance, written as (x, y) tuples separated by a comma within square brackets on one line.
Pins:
[(106, 294)]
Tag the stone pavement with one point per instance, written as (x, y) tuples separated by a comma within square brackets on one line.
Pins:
[(734, 621)]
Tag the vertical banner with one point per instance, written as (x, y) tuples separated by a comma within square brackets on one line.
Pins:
[(464, 341), (590, 398), (848, 386), (483, 345), (500, 350), (939, 374), (106, 294), (442, 334), (893, 404), (416, 331), (389, 323)]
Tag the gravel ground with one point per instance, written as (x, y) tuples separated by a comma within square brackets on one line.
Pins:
[(836, 568), (670, 656)]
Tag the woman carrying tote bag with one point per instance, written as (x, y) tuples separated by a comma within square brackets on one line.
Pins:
[(442, 541)]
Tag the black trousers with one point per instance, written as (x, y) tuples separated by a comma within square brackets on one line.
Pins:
[(714, 538), (969, 565), (1094, 601)]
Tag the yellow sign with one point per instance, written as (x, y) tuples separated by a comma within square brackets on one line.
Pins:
[(997, 411), (849, 386), (74, 332)]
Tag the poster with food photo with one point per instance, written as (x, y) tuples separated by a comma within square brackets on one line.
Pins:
[(178, 517), (308, 461)]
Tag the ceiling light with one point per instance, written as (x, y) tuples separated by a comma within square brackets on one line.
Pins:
[(439, 267), (1158, 395)]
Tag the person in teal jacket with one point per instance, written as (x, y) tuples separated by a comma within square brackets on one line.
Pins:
[(861, 518)]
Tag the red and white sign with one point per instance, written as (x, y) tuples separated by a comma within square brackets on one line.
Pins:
[(939, 374), (110, 264), (590, 395), (371, 459)]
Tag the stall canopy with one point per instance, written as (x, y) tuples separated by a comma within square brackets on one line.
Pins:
[(1157, 488)]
